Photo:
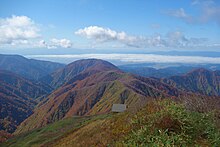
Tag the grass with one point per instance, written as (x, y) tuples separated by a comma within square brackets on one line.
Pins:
[(159, 123), (169, 124), (50, 133)]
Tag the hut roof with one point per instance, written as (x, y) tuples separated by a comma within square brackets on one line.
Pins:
[(118, 107)]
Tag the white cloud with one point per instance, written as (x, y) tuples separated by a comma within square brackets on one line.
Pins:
[(202, 2), (208, 11), (23, 32), (135, 58), (17, 29), (42, 43), (181, 14), (174, 39), (64, 43), (54, 43), (178, 39), (101, 34)]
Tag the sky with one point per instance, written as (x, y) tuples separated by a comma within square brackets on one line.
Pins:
[(113, 26)]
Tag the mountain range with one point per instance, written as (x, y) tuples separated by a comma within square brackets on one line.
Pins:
[(91, 87), (28, 68), (165, 70), (84, 88), (201, 81)]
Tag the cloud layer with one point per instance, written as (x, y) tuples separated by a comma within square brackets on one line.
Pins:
[(135, 58), (173, 39)]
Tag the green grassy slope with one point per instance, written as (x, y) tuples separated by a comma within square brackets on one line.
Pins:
[(50, 133), (159, 123), (162, 123)]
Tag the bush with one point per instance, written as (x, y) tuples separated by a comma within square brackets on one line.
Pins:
[(166, 123)]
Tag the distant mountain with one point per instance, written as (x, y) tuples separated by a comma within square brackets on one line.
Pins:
[(90, 87), (17, 99), (28, 68), (164, 70), (201, 81), (63, 75), (157, 73)]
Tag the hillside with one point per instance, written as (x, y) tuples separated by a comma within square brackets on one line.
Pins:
[(93, 91), (146, 71), (26, 88), (28, 68), (17, 99), (63, 75), (197, 81), (52, 132), (157, 123)]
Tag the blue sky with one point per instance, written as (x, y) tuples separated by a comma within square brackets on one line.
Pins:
[(113, 25)]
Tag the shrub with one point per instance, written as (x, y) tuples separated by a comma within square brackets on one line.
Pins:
[(166, 123)]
